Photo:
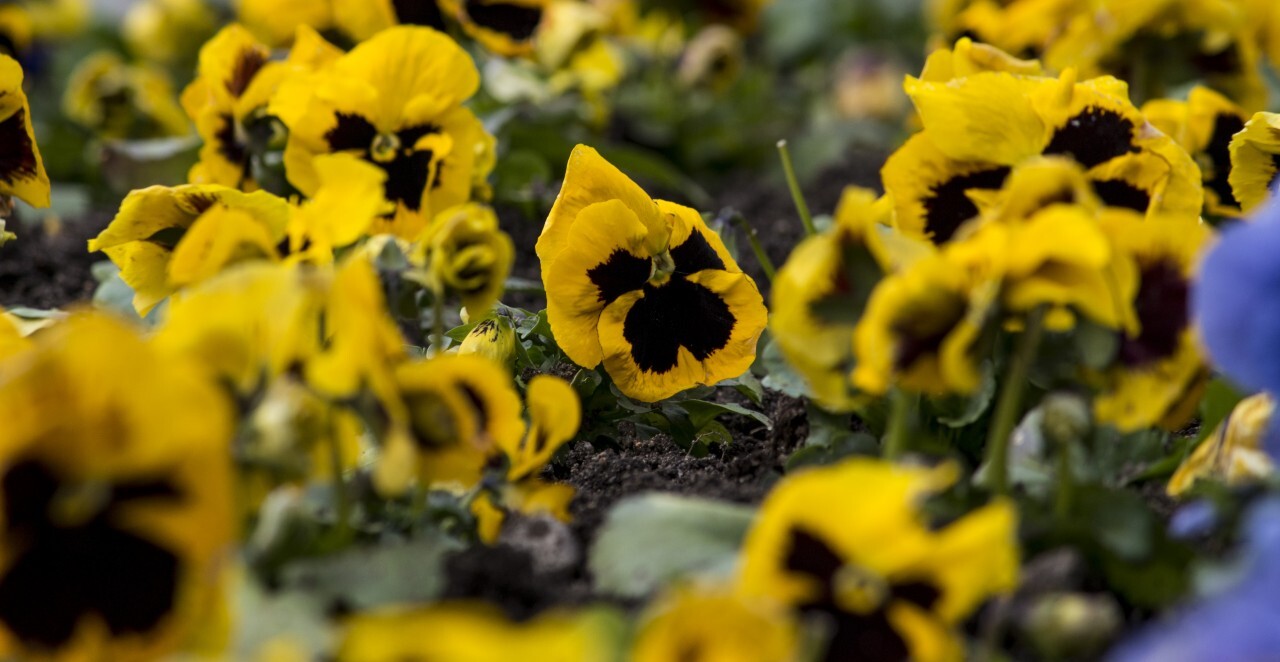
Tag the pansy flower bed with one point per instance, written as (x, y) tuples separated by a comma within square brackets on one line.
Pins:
[(652, 330)]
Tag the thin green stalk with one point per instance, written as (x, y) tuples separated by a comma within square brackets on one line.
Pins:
[(1009, 407), (342, 501), (899, 433), (763, 258), (1066, 484), (437, 323), (797, 195)]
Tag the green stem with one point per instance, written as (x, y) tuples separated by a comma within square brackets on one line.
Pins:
[(1009, 407), (898, 436), (342, 501), (437, 323), (763, 258), (1066, 484), (797, 195)]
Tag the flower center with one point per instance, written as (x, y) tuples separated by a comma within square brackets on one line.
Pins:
[(385, 147)]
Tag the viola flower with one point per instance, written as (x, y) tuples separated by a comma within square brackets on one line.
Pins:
[(922, 328), (1159, 369), (695, 624), (1233, 452), (1230, 302), (887, 585), (505, 27), (467, 631), (644, 287), (117, 100), (22, 172), (977, 128), (493, 337), (1255, 161), (451, 413), (133, 474), (165, 31), (1023, 27), (362, 20), (465, 254), (380, 103), (228, 99), (821, 291), (1204, 124), (277, 22), (344, 208), (153, 223)]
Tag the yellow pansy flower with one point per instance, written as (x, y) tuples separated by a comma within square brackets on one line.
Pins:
[(889, 586), (644, 287), (711, 624), (465, 254), (1255, 160), (1233, 452), (382, 103), (493, 337), (118, 100), (131, 473), (166, 31), (505, 27), (1159, 368), (362, 19), (277, 22), (22, 174), (1204, 125)]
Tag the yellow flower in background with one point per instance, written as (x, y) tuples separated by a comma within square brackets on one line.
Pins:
[(344, 208), (465, 254), (22, 172), (130, 473), (166, 31), (821, 291), (382, 103), (361, 19), (493, 337), (696, 624), (1159, 370), (1023, 26), (228, 98), (118, 100), (505, 27), (16, 31), (644, 287), (1255, 160), (1233, 452), (277, 22), (1204, 124), (217, 224), (713, 59), (969, 57), (449, 415), (58, 19), (922, 327), (978, 127), (890, 586), (471, 632)]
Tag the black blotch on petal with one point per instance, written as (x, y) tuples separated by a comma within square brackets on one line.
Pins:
[(477, 403), (17, 153), (678, 314), (418, 12), (921, 332), (1161, 306), (863, 637), (694, 255), (1218, 152), (351, 132), (229, 146), (947, 207), (248, 64), (1119, 193), (621, 273), (407, 178), (1095, 136), (920, 593), (516, 21), (808, 555)]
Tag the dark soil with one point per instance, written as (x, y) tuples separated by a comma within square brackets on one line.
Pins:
[(49, 266)]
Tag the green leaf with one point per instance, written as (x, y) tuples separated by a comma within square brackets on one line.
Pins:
[(702, 412), (1220, 398), (748, 386), (459, 333), (649, 540), (781, 376), (368, 577), (585, 382), (834, 448), (958, 412)]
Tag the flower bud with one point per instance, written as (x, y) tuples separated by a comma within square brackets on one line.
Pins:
[(1072, 625), (494, 338), (1066, 418)]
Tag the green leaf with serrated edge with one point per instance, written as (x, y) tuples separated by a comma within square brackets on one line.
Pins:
[(696, 536), (702, 412)]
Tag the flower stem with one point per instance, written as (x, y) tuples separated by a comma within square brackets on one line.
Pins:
[(342, 501), (766, 264), (797, 196), (897, 437), (1066, 484), (1009, 406), (437, 323)]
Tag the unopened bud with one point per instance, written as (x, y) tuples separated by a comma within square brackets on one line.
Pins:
[(1066, 418), (494, 338), (1072, 625)]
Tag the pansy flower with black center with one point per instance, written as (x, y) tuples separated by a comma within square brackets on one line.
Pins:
[(114, 498), (449, 415), (1159, 371), (505, 27), (977, 128), (923, 328), (1022, 26), (118, 100), (1204, 124), (710, 624), (277, 22), (22, 172), (822, 290), (473, 632), (644, 287), (886, 585), (395, 101), (464, 253), (228, 99), (1255, 161)]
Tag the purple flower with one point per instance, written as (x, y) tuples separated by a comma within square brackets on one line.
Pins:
[(1240, 624)]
